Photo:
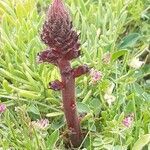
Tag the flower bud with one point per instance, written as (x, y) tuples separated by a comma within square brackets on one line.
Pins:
[(80, 70), (56, 85)]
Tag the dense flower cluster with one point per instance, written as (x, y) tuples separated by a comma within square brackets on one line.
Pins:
[(41, 124), (128, 121), (95, 75), (2, 108), (58, 35)]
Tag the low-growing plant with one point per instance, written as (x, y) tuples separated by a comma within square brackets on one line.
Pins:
[(113, 100)]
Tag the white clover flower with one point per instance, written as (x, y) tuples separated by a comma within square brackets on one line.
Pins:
[(109, 99), (41, 124), (136, 63), (108, 94)]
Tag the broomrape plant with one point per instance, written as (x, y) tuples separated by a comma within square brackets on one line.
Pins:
[(63, 46)]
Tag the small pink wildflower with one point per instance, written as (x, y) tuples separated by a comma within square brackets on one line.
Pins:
[(95, 75), (2, 108), (41, 124), (128, 121)]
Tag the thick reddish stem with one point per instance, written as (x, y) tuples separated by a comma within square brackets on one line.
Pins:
[(69, 102)]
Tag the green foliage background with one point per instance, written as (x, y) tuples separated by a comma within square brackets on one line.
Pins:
[(120, 27)]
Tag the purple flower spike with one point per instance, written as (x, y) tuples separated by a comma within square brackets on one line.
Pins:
[(57, 32), (2, 108)]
